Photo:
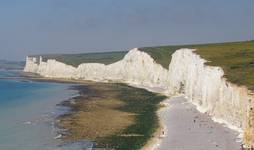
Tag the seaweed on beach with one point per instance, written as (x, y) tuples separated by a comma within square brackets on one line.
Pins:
[(136, 107), (145, 105)]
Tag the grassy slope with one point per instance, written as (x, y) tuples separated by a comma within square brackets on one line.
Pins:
[(161, 54), (77, 59), (236, 58)]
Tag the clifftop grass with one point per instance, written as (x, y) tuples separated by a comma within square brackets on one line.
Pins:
[(235, 58), (77, 59), (161, 54)]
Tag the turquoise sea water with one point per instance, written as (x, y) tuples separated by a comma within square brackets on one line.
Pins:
[(27, 112)]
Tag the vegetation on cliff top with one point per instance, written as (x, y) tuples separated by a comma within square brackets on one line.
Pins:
[(161, 54), (236, 58), (77, 59)]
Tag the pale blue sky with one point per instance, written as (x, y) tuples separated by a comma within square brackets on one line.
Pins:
[(78, 26)]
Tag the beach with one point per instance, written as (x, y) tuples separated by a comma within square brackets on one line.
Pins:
[(185, 128)]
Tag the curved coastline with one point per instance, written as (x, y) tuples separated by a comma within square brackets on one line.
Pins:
[(80, 83), (205, 86), (155, 142)]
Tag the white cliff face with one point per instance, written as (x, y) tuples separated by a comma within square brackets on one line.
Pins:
[(55, 69), (49, 69), (136, 67), (31, 65), (203, 85), (91, 71), (208, 90)]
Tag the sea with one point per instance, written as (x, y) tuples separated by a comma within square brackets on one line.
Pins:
[(28, 110)]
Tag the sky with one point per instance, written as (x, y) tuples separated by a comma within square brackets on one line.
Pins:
[(30, 27)]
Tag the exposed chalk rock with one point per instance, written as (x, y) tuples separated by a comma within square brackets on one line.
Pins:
[(208, 90), (136, 67), (31, 65)]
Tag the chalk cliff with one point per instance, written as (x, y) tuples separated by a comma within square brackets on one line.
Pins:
[(204, 85), (136, 67)]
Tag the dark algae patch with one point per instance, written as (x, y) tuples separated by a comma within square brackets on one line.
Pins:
[(116, 116), (144, 104)]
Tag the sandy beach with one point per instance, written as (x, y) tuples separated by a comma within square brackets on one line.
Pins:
[(188, 129)]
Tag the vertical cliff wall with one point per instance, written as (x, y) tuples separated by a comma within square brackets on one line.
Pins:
[(32, 64), (203, 85), (207, 89)]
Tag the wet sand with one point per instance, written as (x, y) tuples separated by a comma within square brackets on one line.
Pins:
[(188, 129)]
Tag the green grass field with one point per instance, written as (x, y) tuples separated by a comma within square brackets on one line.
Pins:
[(161, 54), (77, 59), (236, 58)]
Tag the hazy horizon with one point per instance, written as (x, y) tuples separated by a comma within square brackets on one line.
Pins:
[(31, 27)]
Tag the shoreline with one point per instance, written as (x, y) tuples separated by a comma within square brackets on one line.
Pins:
[(155, 142), (161, 132), (80, 83), (29, 109)]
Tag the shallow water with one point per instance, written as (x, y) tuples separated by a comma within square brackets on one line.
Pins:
[(27, 112)]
